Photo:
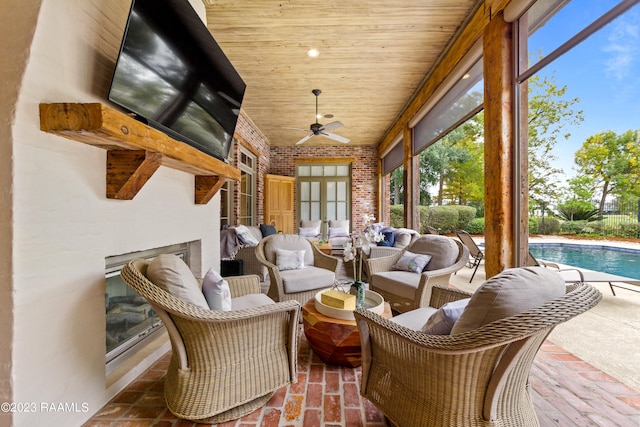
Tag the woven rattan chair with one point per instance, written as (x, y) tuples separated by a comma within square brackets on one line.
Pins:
[(224, 364), (406, 291), (476, 378), (299, 285)]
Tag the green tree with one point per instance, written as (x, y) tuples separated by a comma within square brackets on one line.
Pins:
[(613, 162), (550, 114)]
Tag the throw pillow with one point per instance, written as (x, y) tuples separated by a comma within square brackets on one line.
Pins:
[(245, 236), (267, 230), (441, 322), (338, 232), (309, 231), (169, 272), (216, 291), (508, 293), (388, 238), (414, 263), (289, 260)]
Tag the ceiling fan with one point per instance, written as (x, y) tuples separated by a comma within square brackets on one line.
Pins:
[(320, 129)]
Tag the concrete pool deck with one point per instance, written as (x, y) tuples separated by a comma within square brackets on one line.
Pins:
[(607, 336)]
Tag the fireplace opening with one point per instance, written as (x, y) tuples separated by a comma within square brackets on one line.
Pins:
[(130, 319)]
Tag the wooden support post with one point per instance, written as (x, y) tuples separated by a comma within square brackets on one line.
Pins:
[(411, 182), (206, 187), (128, 171), (499, 146)]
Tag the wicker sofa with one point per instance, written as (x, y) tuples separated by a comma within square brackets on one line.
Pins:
[(224, 364), (477, 376)]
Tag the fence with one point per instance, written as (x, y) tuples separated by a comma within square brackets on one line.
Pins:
[(617, 220)]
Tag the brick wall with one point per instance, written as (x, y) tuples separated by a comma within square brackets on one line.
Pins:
[(249, 136), (364, 172)]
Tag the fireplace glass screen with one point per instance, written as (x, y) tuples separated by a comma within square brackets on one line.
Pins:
[(130, 318)]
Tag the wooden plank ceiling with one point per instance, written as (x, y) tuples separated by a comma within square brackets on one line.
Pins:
[(374, 55)]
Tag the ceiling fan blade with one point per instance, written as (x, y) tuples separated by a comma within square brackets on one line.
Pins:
[(332, 125), (305, 139), (286, 127), (335, 137)]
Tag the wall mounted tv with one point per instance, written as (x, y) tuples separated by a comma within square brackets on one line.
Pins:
[(173, 76)]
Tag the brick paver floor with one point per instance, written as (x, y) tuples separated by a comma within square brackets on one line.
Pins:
[(566, 392)]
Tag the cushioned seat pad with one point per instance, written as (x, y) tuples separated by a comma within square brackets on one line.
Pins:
[(306, 279), (401, 283), (250, 301), (414, 319)]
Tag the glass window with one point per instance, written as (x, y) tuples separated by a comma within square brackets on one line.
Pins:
[(579, 83), (247, 188)]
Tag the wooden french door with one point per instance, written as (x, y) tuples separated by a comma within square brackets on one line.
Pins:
[(279, 203), (324, 193)]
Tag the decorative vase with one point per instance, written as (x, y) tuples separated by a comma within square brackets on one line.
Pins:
[(357, 289)]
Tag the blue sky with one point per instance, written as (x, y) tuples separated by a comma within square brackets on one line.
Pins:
[(603, 71)]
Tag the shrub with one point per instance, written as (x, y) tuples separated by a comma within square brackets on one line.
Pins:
[(576, 210), (573, 227), (476, 226), (443, 218), (465, 215), (396, 216), (630, 229), (533, 226), (551, 225)]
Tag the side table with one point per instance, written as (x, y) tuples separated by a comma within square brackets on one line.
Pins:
[(335, 341)]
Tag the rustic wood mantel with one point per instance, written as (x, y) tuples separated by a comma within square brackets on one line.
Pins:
[(134, 150)]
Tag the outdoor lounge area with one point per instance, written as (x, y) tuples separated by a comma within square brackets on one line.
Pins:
[(568, 388), (310, 124)]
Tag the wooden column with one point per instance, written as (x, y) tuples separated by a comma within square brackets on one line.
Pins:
[(411, 182), (499, 153)]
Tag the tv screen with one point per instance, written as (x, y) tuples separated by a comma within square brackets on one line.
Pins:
[(172, 75)]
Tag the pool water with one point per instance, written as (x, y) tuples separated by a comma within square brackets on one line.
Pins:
[(619, 261)]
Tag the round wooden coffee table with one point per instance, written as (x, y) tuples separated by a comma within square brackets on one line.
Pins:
[(335, 341)]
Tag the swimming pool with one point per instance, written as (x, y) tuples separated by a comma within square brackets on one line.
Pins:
[(620, 261)]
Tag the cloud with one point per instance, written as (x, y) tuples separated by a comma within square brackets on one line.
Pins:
[(622, 46)]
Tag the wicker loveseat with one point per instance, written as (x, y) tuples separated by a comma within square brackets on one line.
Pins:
[(224, 364), (477, 377)]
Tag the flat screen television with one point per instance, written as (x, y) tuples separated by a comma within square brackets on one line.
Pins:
[(172, 75)]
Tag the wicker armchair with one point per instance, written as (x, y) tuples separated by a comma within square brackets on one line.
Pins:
[(407, 291), (476, 378), (299, 285), (224, 364)]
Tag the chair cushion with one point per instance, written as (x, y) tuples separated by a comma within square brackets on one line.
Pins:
[(511, 292), (216, 291), (414, 263), (250, 301), (400, 283), (403, 237), (306, 279), (267, 230), (339, 223), (289, 260), (338, 232), (443, 250), (170, 273), (309, 228), (291, 242), (414, 319), (441, 322)]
